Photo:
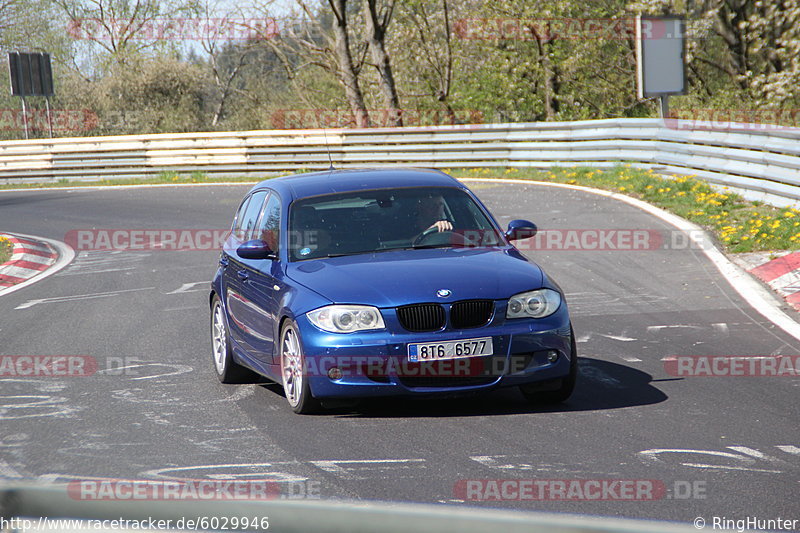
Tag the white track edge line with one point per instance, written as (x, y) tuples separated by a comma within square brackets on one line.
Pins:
[(133, 186), (758, 297)]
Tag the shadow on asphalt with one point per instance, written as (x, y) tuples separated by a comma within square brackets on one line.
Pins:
[(601, 385)]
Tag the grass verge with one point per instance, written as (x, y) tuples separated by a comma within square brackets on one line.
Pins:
[(739, 225), (5, 249)]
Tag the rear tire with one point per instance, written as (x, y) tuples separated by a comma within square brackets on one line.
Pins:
[(294, 372), (226, 369), (533, 392)]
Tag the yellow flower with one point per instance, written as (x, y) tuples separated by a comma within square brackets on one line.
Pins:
[(621, 189), (649, 187), (789, 214)]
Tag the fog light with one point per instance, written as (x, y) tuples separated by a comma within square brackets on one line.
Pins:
[(335, 373), (552, 356)]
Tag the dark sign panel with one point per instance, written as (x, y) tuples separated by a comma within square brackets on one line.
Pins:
[(31, 74)]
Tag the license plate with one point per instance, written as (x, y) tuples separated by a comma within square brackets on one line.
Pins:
[(436, 351)]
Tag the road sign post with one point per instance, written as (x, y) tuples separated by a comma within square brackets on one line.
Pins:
[(31, 75), (660, 58)]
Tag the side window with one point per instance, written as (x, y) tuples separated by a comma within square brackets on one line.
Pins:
[(239, 217), (246, 221), (270, 226)]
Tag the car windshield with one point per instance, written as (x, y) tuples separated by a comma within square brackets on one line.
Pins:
[(387, 219)]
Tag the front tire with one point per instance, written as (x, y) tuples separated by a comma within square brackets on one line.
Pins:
[(534, 394), (293, 372), (227, 370)]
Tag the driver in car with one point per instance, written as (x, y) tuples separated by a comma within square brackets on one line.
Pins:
[(431, 208)]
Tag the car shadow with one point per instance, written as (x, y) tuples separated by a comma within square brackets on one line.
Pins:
[(601, 385)]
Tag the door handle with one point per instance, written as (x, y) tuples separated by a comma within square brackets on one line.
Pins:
[(242, 275)]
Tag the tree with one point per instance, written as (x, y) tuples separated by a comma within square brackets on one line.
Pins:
[(740, 51), (377, 22), (347, 70), (160, 95), (125, 28)]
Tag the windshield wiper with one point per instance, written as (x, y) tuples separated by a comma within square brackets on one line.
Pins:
[(343, 254), (418, 247), (424, 246)]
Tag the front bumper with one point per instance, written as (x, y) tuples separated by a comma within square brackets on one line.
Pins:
[(375, 363)]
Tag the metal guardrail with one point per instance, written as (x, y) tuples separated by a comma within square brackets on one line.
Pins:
[(748, 156)]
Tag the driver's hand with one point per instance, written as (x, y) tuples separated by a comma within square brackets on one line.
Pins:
[(442, 225)]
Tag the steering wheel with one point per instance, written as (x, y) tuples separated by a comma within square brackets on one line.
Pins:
[(424, 235), (455, 238)]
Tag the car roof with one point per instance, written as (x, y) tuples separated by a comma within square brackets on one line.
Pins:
[(332, 181)]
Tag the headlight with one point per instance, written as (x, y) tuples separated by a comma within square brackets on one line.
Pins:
[(533, 304), (346, 318)]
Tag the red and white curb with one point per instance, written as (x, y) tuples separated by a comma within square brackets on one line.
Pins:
[(28, 259), (782, 274), (33, 259)]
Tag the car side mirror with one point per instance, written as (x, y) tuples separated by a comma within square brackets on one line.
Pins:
[(256, 249), (520, 229)]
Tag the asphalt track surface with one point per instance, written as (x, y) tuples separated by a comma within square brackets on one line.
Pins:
[(734, 440)]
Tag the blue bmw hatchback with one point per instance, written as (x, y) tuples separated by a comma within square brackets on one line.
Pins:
[(363, 283)]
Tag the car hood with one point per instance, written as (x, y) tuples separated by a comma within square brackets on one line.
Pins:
[(389, 279)]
